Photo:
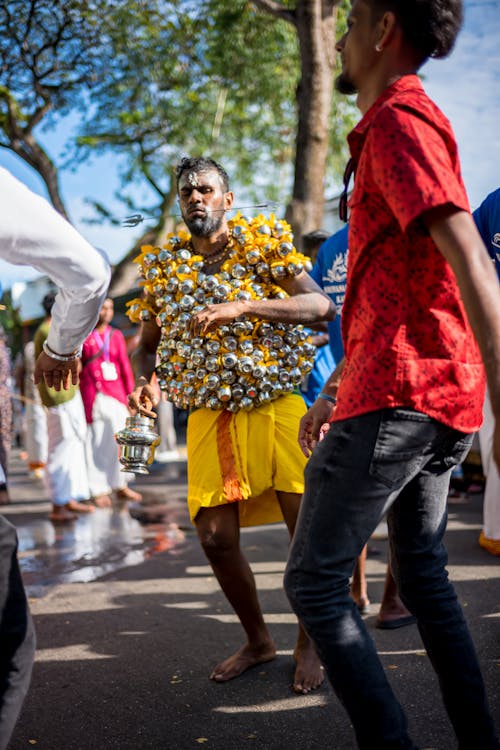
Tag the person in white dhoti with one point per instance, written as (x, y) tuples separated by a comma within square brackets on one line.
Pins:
[(67, 476), (36, 438), (167, 448), (106, 379), (5, 417)]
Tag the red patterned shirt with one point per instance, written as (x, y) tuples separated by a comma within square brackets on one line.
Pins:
[(406, 335)]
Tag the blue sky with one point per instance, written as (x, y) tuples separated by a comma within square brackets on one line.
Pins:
[(466, 86)]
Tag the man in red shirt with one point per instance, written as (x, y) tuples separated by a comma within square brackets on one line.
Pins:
[(421, 291)]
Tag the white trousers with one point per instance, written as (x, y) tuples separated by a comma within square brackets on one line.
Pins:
[(105, 475), (168, 438), (36, 434), (491, 508), (67, 475)]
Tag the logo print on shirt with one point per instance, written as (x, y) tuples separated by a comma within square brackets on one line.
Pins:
[(496, 239), (338, 272)]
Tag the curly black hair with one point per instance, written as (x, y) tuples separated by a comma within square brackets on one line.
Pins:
[(430, 26), (201, 164)]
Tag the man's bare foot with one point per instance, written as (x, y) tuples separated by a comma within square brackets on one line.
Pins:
[(61, 514), (77, 507), (245, 658), (127, 494), (102, 501), (393, 614), (309, 674)]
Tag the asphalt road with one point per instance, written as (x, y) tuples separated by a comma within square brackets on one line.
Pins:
[(130, 622)]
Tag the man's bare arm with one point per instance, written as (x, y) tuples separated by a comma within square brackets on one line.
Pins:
[(319, 413), (456, 236), (143, 359), (331, 386), (306, 304)]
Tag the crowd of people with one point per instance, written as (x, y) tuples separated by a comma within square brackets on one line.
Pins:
[(67, 436), (405, 299)]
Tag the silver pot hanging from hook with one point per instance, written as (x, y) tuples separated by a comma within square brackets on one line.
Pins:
[(137, 442)]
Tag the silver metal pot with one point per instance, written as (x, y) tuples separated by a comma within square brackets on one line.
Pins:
[(137, 443)]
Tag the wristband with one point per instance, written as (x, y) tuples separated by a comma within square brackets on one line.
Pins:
[(60, 357), (326, 397)]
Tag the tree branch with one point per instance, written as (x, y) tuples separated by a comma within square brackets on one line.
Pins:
[(276, 9), (144, 166), (38, 115), (12, 128)]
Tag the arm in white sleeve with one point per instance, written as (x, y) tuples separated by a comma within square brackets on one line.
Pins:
[(32, 233)]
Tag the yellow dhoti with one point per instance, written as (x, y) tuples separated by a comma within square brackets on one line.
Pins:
[(245, 457)]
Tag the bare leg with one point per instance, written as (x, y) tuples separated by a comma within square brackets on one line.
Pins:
[(69, 511), (219, 534), (125, 493), (74, 506), (359, 589), (61, 514), (309, 674), (102, 501), (393, 613)]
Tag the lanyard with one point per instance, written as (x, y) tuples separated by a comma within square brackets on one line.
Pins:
[(104, 344)]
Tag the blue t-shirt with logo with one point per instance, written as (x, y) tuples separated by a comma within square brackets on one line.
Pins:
[(487, 218), (330, 273)]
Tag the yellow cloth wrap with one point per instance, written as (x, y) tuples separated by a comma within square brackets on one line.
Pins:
[(245, 457)]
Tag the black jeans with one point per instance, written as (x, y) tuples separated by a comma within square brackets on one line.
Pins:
[(394, 461), (17, 635)]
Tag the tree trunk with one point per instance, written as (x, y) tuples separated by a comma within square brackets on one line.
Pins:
[(315, 21)]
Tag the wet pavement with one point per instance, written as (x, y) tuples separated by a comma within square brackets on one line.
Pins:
[(130, 622), (96, 543)]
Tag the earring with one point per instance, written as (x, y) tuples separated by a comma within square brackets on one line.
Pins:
[(378, 48)]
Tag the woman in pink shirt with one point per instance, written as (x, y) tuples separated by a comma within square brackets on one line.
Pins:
[(105, 380)]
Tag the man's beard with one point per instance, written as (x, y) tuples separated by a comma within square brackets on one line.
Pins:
[(204, 226), (344, 85)]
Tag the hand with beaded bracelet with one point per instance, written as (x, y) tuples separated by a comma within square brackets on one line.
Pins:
[(58, 370)]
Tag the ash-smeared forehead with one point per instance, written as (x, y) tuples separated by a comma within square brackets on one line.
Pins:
[(192, 178), (198, 180), (198, 165)]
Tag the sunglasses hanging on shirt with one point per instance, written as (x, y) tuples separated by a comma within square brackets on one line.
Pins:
[(343, 207)]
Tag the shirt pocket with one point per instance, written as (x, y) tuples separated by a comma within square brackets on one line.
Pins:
[(401, 446)]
